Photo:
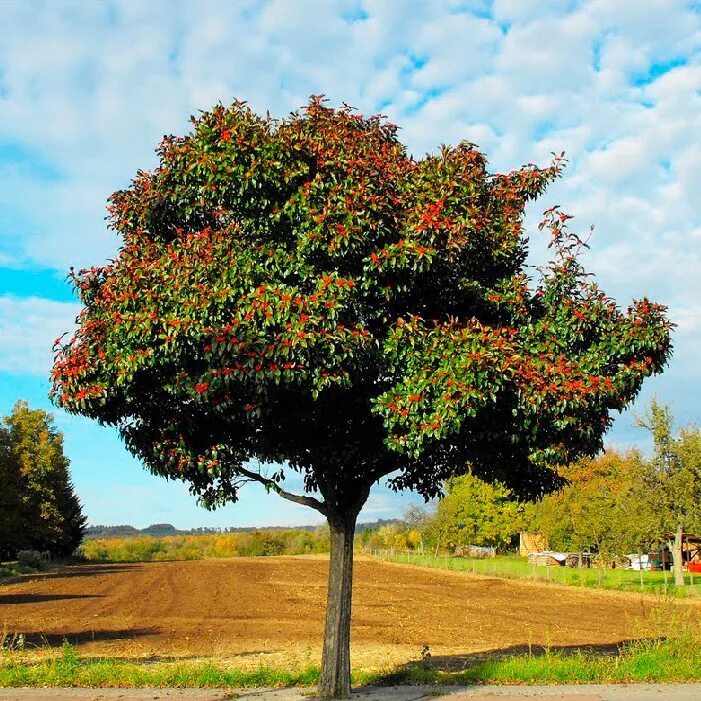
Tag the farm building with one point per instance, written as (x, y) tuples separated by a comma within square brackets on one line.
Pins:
[(550, 558), (691, 548), (662, 558)]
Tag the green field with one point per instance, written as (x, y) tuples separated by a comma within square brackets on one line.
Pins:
[(515, 567)]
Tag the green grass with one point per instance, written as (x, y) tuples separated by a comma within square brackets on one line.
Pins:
[(515, 567), (14, 569), (675, 660), (69, 670)]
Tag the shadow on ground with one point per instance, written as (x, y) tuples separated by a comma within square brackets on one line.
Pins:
[(155, 658), (40, 639), (473, 661), (69, 571), (8, 599)]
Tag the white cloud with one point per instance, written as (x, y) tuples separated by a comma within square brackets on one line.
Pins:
[(102, 83), (28, 326), (521, 80), (9, 261), (689, 319), (88, 89)]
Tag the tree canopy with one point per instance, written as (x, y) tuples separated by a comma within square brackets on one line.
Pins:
[(289, 287), (304, 293), (669, 491), (475, 512), (630, 502), (39, 508), (600, 509)]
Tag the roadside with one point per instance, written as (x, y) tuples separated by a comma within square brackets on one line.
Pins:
[(584, 692)]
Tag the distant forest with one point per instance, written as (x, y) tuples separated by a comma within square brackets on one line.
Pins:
[(164, 529)]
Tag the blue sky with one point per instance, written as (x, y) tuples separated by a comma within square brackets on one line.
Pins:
[(88, 88)]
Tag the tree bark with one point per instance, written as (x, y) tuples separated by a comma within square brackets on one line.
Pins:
[(335, 661), (677, 557)]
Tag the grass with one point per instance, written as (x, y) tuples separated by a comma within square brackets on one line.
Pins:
[(671, 660), (514, 567), (9, 570), (647, 661), (70, 670)]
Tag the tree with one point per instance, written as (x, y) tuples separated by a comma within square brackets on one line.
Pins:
[(40, 509), (598, 509), (13, 527), (475, 512), (669, 492), (417, 519), (302, 294)]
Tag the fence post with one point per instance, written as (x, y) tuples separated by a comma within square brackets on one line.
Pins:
[(642, 586)]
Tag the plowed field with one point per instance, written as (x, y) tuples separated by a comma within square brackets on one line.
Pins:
[(270, 611)]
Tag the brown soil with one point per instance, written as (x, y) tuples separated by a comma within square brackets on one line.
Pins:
[(252, 611)]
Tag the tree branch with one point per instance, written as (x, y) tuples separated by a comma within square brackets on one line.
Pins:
[(314, 503)]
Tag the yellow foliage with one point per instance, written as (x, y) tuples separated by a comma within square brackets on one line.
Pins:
[(203, 546)]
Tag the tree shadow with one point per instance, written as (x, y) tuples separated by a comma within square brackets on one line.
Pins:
[(40, 639), (10, 599), (70, 571), (473, 662), (155, 657)]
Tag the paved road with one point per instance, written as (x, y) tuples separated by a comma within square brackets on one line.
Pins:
[(622, 692)]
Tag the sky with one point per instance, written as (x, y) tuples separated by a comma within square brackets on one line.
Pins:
[(88, 88)]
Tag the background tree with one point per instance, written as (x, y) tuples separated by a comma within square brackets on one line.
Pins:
[(417, 519), (13, 526), (302, 293), (39, 507), (475, 512), (669, 493), (598, 510)]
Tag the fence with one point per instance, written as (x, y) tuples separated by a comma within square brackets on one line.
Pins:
[(514, 567)]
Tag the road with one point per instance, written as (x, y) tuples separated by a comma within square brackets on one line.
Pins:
[(593, 692)]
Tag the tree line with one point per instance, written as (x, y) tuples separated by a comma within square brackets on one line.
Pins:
[(39, 509), (167, 529), (622, 501), (626, 502), (258, 543)]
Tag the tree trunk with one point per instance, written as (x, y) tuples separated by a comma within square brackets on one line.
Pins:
[(677, 561), (335, 661)]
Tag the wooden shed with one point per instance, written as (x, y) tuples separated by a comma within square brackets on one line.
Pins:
[(531, 543)]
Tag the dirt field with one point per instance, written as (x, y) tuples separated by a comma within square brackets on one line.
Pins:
[(253, 611)]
